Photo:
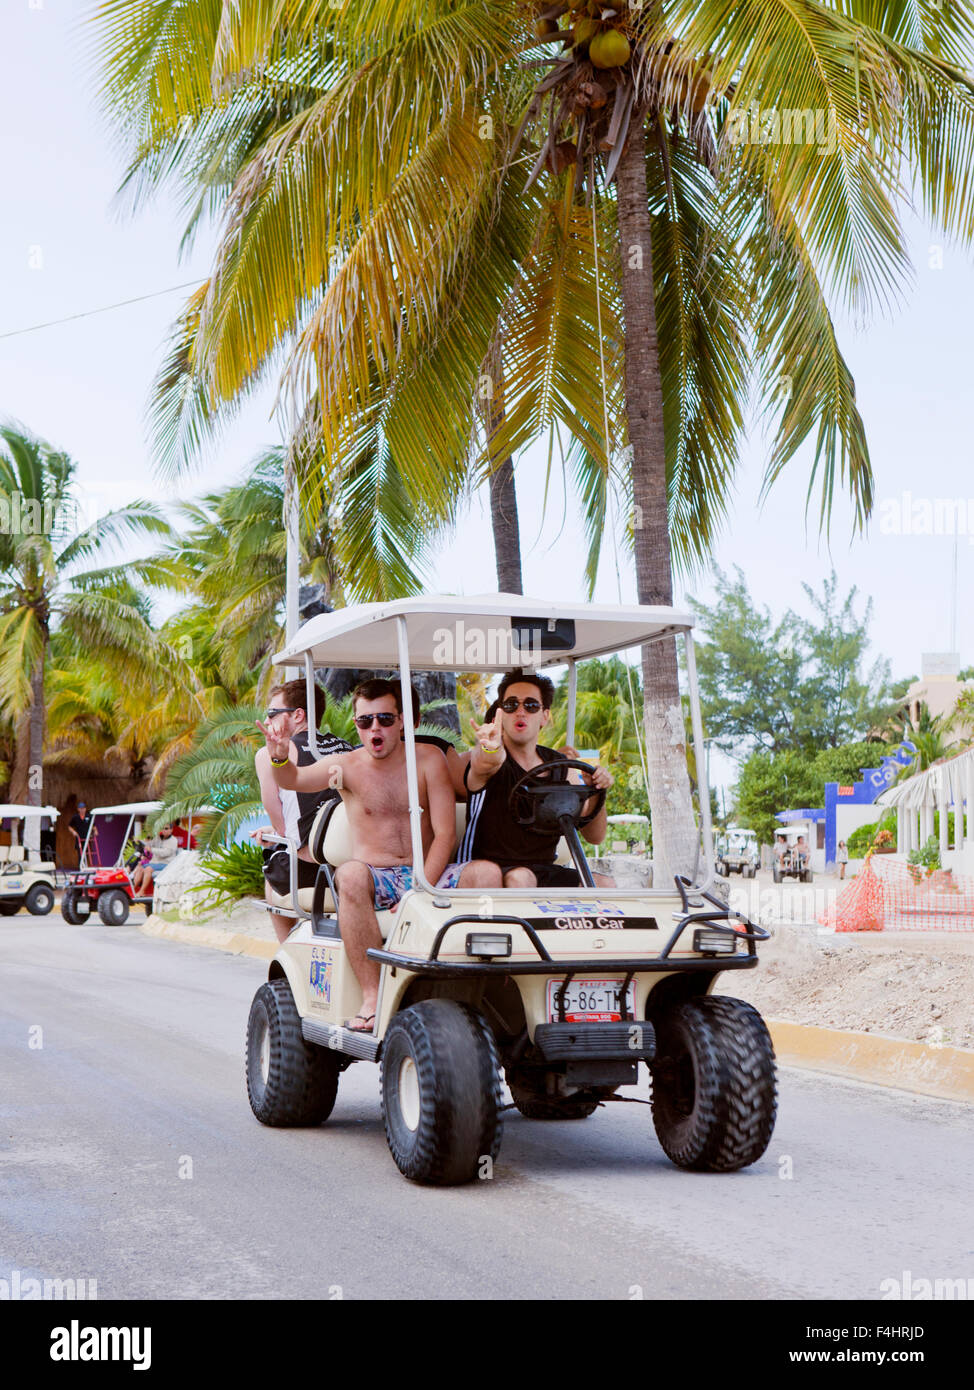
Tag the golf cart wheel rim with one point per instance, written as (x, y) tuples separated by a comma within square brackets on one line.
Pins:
[(264, 1055), (408, 1084)]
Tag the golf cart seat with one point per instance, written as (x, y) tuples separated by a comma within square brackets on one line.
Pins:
[(15, 853), (330, 842)]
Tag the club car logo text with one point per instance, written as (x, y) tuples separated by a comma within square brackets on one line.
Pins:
[(597, 916)]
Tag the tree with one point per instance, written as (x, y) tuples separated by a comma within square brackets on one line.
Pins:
[(385, 277), (43, 584), (773, 782), (791, 684)]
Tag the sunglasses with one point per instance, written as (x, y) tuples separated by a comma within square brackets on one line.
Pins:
[(271, 712), (510, 705), (364, 721)]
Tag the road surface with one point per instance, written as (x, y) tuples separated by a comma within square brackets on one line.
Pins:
[(129, 1156)]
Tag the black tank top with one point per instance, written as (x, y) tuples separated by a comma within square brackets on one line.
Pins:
[(491, 832)]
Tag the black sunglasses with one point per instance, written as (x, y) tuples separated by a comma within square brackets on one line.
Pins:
[(364, 721), (271, 712), (510, 705)]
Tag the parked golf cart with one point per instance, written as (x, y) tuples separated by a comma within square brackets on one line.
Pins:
[(794, 860), (109, 857), (25, 881), (738, 852), (566, 990)]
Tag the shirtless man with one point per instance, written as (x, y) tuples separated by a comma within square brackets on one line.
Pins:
[(372, 782)]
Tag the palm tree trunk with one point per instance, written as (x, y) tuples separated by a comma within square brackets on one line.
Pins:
[(507, 536), (503, 498), (674, 830), (35, 760)]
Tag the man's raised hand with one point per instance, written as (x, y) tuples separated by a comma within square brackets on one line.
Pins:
[(490, 737), (277, 747)]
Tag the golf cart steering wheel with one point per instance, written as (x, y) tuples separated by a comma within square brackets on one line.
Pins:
[(539, 803)]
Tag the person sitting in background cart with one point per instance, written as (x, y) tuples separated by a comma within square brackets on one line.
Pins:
[(164, 847)]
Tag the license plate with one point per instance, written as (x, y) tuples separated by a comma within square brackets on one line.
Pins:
[(591, 1001)]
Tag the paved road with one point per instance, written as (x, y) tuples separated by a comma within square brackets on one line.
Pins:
[(140, 1079)]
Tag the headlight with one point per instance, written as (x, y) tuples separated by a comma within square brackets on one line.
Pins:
[(713, 942), (488, 944)]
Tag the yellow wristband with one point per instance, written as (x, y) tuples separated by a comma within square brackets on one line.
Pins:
[(489, 750), (280, 762)]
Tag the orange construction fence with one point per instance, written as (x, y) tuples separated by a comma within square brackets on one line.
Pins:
[(894, 896)]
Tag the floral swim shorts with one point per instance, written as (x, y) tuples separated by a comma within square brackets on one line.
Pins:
[(394, 882)]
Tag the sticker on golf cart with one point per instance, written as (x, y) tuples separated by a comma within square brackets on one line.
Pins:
[(590, 1001), (585, 917), (319, 976)]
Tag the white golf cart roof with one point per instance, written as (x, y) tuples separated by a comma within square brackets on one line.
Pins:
[(135, 808), (474, 633), (628, 818), (10, 811)]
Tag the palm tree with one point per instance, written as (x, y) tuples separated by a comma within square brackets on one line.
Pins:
[(385, 279), (44, 585)]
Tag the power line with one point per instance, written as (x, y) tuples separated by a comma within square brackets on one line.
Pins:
[(106, 308)]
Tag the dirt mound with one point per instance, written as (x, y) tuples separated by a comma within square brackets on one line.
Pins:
[(920, 990)]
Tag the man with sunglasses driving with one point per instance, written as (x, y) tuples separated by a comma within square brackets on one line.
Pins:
[(497, 852), (372, 782), (292, 813)]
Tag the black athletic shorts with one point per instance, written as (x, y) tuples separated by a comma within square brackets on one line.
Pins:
[(277, 870), (549, 875)]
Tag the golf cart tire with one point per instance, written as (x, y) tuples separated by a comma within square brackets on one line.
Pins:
[(302, 1079), (39, 899), (8, 906), (529, 1095), (113, 907), (714, 1089), (441, 1093), (776, 874), (69, 908), (807, 876)]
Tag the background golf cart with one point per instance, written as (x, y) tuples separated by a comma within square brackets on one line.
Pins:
[(103, 881), (26, 880), (738, 852), (472, 983), (788, 866)]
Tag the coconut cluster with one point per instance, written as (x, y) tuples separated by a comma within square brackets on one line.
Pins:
[(599, 31)]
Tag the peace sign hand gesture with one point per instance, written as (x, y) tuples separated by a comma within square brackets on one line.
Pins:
[(277, 746)]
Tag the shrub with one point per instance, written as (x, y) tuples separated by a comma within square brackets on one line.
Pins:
[(927, 857), (231, 873)]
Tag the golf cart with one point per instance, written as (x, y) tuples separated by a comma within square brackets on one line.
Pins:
[(566, 990), (738, 852), (24, 881), (791, 859), (109, 857)]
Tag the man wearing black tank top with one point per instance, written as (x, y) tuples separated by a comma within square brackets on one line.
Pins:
[(292, 813), (497, 852)]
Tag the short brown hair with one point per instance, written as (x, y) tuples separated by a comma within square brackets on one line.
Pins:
[(295, 696), (376, 688)]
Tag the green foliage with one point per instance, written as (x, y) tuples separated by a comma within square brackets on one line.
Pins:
[(867, 836), (926, 857), (231, 872), (217, 772), (769, 783), (789, 684)]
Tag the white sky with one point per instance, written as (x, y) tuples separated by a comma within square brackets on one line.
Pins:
[(83, 385)]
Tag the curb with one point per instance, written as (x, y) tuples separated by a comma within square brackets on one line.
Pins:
[(218, 938), (944, 1072)]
